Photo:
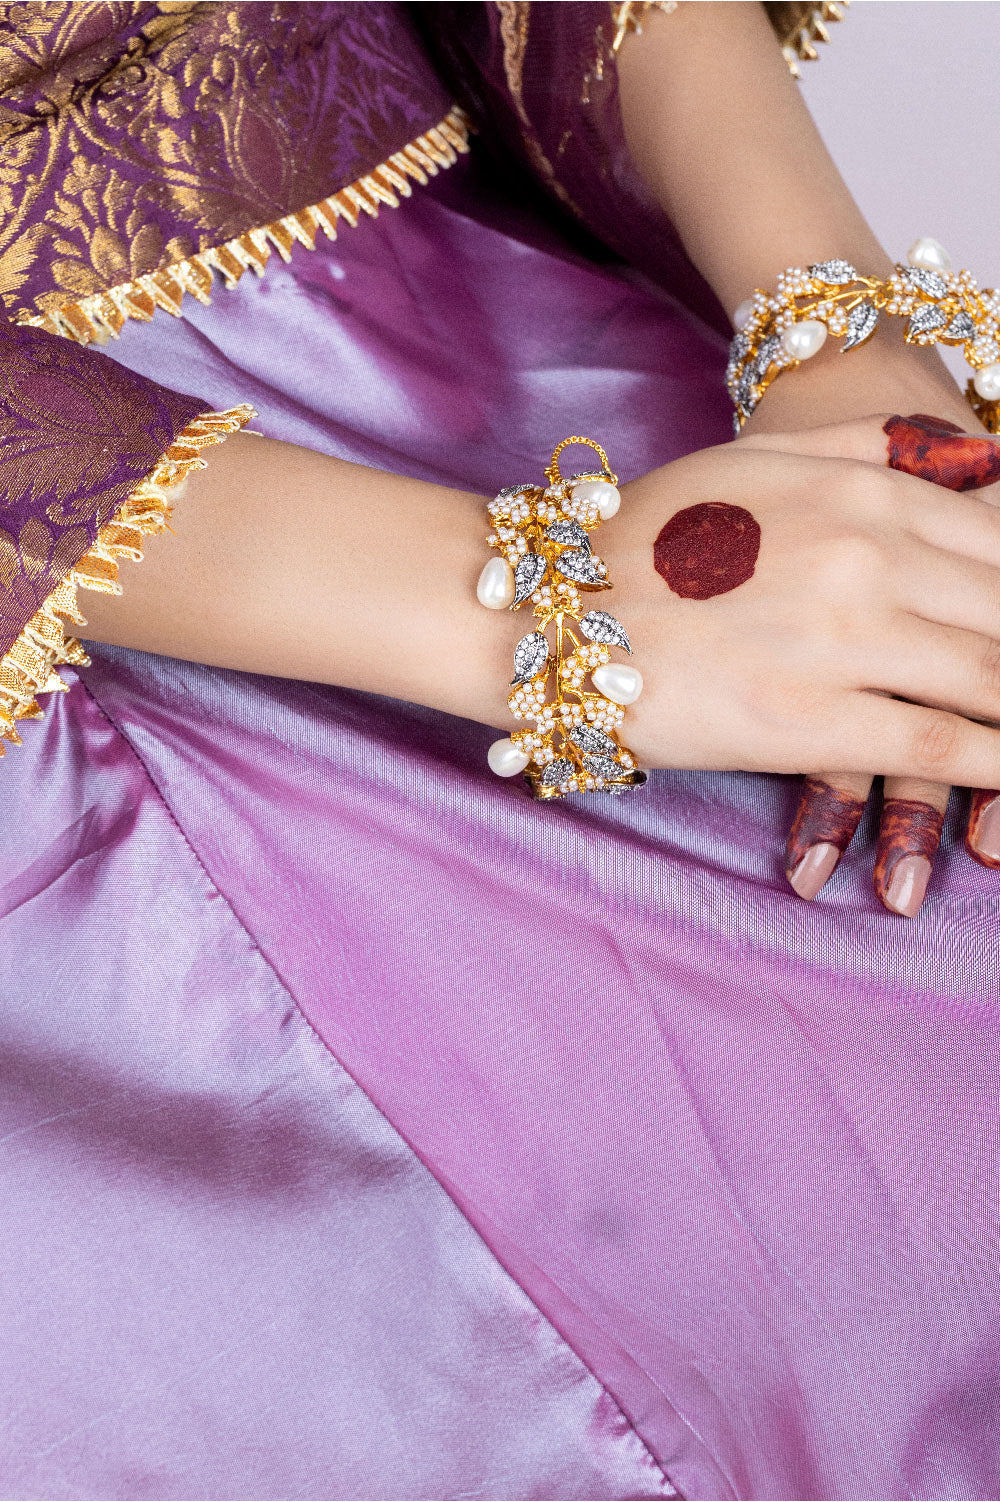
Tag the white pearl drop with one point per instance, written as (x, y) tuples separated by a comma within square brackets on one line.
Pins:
[(803, 340), (602, 493), (930, 254), (495, 589), (506, 759), (742, 315), (618, 682), (987, 383)]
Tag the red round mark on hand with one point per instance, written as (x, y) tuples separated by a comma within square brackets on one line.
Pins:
[(707, 550), (934, 449)]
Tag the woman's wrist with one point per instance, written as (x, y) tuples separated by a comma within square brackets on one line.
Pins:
[(880, 376)]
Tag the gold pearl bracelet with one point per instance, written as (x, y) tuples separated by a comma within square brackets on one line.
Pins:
[(776, 332), (544, 556)]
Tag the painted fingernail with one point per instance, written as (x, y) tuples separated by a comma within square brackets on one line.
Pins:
[(908, 885), (908, 840), (821, 831), (937, 450), (814, 870), (983, 837)]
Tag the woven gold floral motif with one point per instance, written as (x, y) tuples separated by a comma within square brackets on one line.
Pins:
[(134, 135)]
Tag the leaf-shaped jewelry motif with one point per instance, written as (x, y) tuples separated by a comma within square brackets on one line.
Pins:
[(603, 766), (531, 655), (598, 625), (767, 353), (589, 738), (510, 491), (557, 772), (961, 327), (925, 318), (528, 574), (861, 322), (580, 565), (928, 281), (739, 348), (636, 779), (570, 534), (835, 273)]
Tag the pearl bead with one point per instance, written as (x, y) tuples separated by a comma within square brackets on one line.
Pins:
[(600, 493), (803, 340), (987, 383), (495, 589), (618, 682), (743, 315), (506, 759), (930, 254)]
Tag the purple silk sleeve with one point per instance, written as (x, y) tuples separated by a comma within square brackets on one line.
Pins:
[(78, 432), (541, 82)]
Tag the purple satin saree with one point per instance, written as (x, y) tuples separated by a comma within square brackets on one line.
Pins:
[(311, 1189)]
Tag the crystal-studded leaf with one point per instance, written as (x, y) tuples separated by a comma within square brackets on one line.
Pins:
[(589, 738), (928, 281), (961, 327), (557, 772), (746, 391), (598, 625), (510, 491), (835, 273), (636, 779), (861, 323), (578, 564), (570, 534), (531, 655), (739, 348), (603, 766), (767, 353), (925, 318), (528, 574)]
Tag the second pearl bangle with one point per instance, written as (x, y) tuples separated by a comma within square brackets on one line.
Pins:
[(776, 332), (544, 556)]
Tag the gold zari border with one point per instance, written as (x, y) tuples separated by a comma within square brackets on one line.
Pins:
[(29, 667), (103, 314)]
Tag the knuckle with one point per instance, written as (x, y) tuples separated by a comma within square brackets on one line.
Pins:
[(936, 743)]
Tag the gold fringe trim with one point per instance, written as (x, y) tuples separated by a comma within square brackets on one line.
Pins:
[(102, 315), (797, 26), (29, 667)]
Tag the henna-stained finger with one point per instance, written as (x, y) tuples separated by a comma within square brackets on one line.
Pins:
[(826, 817), (909, 835), (931, 448), (982, 835)]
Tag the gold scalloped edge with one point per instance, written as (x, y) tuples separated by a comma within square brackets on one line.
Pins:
[(797, 39), (29, 667), (799, 44), (102, 315)]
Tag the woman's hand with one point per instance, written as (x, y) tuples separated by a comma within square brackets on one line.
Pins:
[(868, 633), (832, 803)]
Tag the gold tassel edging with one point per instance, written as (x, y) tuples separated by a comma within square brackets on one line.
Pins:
[(29, 667), (798, 27), (103, 314)]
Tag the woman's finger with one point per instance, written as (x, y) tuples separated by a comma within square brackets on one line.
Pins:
[(982, 835), (910, 832), (927, 447), (942, 667), (828, 812), (943, 588)]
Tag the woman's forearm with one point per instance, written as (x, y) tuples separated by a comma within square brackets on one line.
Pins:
[(287, 562), (720, 133)]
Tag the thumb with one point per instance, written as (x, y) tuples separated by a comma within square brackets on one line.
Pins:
[(931, 448)]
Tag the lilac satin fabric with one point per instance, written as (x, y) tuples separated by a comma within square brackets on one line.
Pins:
[(739, 1151)]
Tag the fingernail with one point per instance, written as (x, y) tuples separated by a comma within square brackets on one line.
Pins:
[(985, 839), (814, 870), (907, 885)]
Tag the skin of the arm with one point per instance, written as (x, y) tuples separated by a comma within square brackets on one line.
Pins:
[(289, 562)]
